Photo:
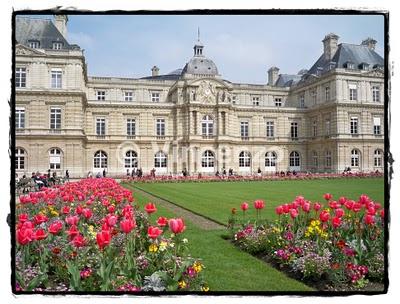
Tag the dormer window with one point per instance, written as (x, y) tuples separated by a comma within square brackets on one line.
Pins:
[(331, 65), (34, 44), (319, 71), (363, 66), (349, 65), (378, 66), (57, 45)]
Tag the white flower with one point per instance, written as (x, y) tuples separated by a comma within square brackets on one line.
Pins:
[(185, 240)]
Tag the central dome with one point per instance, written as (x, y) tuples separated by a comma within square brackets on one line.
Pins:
[(199, 64)]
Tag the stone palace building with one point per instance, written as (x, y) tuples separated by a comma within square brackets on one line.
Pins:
[(324, 119)]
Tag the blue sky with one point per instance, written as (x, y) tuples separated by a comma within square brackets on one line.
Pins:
[(243, 47)]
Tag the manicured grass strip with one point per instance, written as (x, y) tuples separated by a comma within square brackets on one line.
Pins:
[(227, 268), (215, 200)]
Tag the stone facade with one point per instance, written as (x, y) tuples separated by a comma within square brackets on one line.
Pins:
[(318, 122)]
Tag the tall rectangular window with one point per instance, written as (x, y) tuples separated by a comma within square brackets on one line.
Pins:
[(376, 94), (57, 45), (377, 126), (155, 96), (20, 77), (244, 130), (352, 91), (100, 126), (314, 97), (294, 132), (278, 101), (328, 159), (56, 79), (128, 96), (270, 129), (327, 93), (354, 125), (160, 127), (55, 118), (327, 127), (19, 118), (256, 100), (314, 129), (302, 101), (130, 127), (101, 95)]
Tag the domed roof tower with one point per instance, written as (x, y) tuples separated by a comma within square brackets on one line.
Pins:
[(199, 64)]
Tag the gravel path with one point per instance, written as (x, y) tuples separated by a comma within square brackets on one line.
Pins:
[(198, 220)]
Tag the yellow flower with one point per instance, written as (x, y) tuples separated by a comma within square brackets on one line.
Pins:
[(205, 288), (163, 245), (197, 266), (54, 213), (153, 248), (182, 284), (307, 234)]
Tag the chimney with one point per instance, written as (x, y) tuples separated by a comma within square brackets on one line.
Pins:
[(370, 43), (154, 71), (330, 46), (60, 21), (272, 75)]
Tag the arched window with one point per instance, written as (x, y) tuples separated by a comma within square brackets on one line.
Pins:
[(207, 126), (294, 159), (270, 159), (100, 159), (160, 160), (315, 158), (55, 158), (131, 159), (328, 158), (207, 159), (244, 159), (19, 159), (378, 158), (355, 158)]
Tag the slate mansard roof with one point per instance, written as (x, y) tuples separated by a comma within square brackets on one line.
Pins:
[(43, 30), (356, 54)]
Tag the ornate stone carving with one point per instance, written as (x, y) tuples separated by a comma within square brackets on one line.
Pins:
[(207, 92), (22, 51)]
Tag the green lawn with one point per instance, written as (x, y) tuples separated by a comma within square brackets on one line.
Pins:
[(216, 199), (227, 268)]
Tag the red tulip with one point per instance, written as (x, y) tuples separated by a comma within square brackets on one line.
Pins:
[(244, 206), (162, 221), (364, 199), (39, 234), (369, 219), (306, 207), (127, 225), (111, 220), (349, 204), (334, 204), (371, 211), (176, 225), (111, 208), (127, 211), (23, 217), (324, 216), (72, 232), (259, 204), (336, 222), (286, 208), (342, 200), (357, 207), (55, 227), (87, 213), (65, 210), (317, 206), (150, 208), (279, 210), (382, 214), (153, 232), (40, 218), (79, 241), (79, 209), (25, 236), (327, 196), (103, 239), (339, 212), (72, 220), (293, 213)]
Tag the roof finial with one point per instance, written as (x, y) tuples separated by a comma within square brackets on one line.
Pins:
[(198, 33)]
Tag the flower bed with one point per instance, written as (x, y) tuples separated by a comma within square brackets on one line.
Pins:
[(336, 245), (233, 178), (90, 236)]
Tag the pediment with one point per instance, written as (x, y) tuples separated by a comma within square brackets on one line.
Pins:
[(375, 73), (26, 51), (208, 91)]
